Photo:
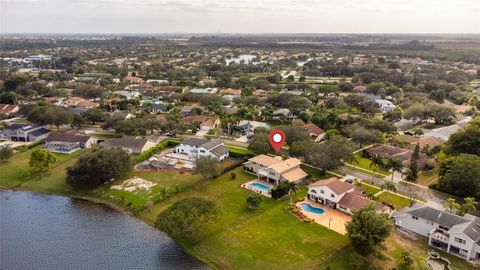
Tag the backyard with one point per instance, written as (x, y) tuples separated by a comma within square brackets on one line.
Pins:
[(267, 238)]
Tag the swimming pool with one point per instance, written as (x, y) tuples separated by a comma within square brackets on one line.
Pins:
[(260, 187), (307, 207)]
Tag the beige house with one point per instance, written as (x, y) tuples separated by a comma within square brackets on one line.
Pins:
[(131, 144), (274, 170)]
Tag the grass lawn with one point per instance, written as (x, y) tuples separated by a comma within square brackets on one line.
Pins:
[(268, 237), (369, 189), (168, 184), (393, 199), (427, 178), (14, 173), (365, 164), (315, 174)]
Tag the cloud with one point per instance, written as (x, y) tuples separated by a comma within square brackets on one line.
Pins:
[(254, 16)]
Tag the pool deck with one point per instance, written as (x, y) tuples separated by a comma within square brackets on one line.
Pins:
[(336, 218), (247, 186)]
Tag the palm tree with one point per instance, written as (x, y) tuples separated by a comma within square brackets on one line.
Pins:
[(469, 206), (451, 204), (292, 187), (395, 164), (377, 161), (389, 186)]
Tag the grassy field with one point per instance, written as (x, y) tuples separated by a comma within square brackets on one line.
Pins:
[(427, 178), (315, 174), (14, 173), (369, 189), (395, 200), (364, 163), (266, 238)]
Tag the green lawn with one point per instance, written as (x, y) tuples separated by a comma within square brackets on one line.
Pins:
[(315, 174), (364, 163), (427, 178), (369, 189), (266, 238), (168, 184), (14, 173), (395, 200)]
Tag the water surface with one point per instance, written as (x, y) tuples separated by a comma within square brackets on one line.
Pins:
[(50, 232)]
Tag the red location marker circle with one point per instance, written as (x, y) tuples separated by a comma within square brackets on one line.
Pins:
[(277, 139)]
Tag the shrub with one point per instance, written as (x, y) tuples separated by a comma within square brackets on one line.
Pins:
[(233, 175), (307, 220), (280, 191)]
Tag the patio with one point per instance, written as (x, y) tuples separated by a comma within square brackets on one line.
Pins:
[(331, 218), (166, 161)]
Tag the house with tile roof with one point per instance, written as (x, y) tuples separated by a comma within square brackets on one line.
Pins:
[(206, 122), (8, 109), (340, 195), (195, 148), (457, 235), (316, 133), (274, 170)]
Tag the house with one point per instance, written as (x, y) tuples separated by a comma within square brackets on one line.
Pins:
[(340, 195), (274, 170), (260, 93), (207, 90), (133, 79), (127, 94), (283, 113), (78, 102), (130, 144), (231, 92), (188, 110), (8, 109), (404, 155), (421, 141), (155, 106), (68, 142), (206, 122), (446, 231), (384, 105), (315, 132), (195, 148), (24, 132), (247, 127)]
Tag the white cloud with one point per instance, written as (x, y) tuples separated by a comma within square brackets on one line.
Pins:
[(254, 16)]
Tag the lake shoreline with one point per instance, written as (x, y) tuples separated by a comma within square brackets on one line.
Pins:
[(115, 207)]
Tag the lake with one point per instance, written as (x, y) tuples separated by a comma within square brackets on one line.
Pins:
[(51, 232)]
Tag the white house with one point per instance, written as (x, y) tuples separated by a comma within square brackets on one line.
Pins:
[(452, 233), (275, 170), (204, 90), (195, 148), (24, 132), (340, 195)]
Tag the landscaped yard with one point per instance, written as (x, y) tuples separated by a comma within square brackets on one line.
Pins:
[(369, 189), (364, 163), (14, 173), (427, 178), (314, 173), (393, 199), (166, 185), (266, 238)]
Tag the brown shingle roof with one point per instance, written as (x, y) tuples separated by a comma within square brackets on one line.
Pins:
[(313, 129), (66, 137)]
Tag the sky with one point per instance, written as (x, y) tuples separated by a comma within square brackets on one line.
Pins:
[(239, 16)]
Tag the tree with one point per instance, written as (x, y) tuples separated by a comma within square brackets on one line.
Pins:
[(6, 152), (294, 133), (208, 167), (469, 206), (395, 165), (376, 161), (463, 177), (41, 160), (414, 194), (96, 168), (260, 144), (95, 115), (441, 113), (363, 136), (300, 148), (451, 204), (368, 229), (298, 104), (330, 155), (417, 132), (292, 187), (413, 167), (254, 200), (187, 215), (466, 141), (388, 186)]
